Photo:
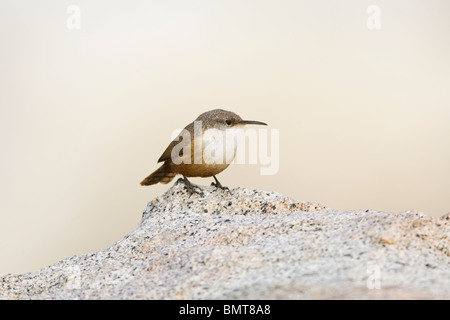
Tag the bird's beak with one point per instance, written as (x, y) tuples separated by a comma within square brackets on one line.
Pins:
[(252, 122)]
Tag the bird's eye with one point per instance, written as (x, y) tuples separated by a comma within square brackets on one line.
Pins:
[(228, 122)]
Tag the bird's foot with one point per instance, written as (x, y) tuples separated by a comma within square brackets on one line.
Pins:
[(192, 188), (218, 185)]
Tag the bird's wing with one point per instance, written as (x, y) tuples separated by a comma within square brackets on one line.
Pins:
[(167, 154)]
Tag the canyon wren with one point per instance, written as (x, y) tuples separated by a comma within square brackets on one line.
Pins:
[(204, 148)]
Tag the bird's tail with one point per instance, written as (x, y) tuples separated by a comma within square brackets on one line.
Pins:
[(163, 174)]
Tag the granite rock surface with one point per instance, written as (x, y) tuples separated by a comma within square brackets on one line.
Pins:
[(248, 244)]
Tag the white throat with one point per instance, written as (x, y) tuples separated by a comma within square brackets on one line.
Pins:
[(219, 146)]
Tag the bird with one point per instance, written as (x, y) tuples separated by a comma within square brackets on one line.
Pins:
[(204, 148)]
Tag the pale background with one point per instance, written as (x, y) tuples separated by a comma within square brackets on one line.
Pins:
[(84, 114)]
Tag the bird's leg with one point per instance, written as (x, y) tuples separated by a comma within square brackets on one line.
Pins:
[(218, 184), (191, 188)]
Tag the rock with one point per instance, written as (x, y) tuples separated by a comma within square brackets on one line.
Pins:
[(247, 244)]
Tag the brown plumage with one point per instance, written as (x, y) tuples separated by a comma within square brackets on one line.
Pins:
[(219, 119), (163, 174)]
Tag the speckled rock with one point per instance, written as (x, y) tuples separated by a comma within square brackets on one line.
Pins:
[(247, 244), (239, 201)]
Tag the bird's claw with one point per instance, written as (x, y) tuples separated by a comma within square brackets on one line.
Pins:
[(191, 188), (217, 185)]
